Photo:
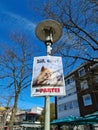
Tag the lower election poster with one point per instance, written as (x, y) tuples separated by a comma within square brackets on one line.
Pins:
[(48, 77)]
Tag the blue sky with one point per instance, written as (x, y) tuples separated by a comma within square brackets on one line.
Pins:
[(17, 15)]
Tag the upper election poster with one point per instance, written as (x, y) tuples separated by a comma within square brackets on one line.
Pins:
[(48, 78)]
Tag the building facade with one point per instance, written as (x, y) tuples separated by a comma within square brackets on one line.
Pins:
[(81, 92), (87, 88), (24, 119), (68, 105), (28, 119)]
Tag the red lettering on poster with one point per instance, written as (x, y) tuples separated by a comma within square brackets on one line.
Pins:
[(51, 90)]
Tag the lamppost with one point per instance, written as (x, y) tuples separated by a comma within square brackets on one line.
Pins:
[(48, 31)]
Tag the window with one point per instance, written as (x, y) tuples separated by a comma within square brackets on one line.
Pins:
[(69, 80), (65, 107), (75, 104), (61, 107), (61, 97), (84, 84), (87, 100), (81, 72), (69, 105)]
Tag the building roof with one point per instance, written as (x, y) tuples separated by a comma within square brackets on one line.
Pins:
[(94, 65)]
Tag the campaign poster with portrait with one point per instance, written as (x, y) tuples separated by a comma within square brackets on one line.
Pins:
[(47, 77)]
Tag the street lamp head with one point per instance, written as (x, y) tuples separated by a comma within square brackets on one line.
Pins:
[(49, 30)]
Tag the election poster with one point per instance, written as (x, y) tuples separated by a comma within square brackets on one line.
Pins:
[(47, 77)]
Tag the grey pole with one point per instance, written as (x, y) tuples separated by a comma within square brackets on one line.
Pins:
[(48, 31), (47, 98), (47, 113)]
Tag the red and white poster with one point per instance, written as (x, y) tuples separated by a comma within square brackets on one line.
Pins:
[(48, 78)]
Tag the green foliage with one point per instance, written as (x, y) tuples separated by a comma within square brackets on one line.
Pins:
[(52, 113)]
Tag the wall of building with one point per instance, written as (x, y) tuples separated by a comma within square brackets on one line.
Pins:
[(82, 87), (68, 105), (88, 92)]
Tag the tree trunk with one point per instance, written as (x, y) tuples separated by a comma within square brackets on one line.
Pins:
[(14, 109)]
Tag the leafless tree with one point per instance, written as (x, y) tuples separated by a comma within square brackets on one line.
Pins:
[(16, 68), (79, 20)]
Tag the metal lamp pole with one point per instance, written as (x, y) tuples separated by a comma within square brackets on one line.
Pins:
[(48, 31), (49, 40)]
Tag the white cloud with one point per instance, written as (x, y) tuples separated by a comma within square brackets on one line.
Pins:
[(16, 21)]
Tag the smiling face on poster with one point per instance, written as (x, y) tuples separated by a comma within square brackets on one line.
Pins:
[(48, 78)]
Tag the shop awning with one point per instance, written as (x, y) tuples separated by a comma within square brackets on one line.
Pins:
[(89, 119)]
